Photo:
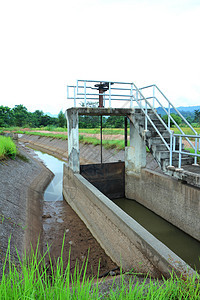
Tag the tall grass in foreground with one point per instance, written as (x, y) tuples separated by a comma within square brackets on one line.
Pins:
[(7, 148), (34, 280)]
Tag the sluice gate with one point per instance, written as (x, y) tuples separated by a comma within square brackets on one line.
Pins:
[(89, 188), (108, 178)]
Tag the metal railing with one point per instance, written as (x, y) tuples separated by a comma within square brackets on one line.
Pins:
[(85, 92), (148, 99)]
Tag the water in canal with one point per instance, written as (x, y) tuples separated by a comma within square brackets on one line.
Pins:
[(175, 239), (54, 190), (179, 242)]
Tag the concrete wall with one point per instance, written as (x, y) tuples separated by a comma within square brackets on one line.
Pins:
[(123, 239), (176, 202)]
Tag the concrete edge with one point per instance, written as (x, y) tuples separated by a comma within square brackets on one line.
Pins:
[(34, 208)]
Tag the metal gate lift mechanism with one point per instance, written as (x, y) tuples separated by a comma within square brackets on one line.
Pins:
[(102, 87)]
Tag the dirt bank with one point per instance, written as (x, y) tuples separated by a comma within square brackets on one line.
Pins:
[(24, 216), (20, 203)]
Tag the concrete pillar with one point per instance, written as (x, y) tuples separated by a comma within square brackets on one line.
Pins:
[(135, 155), (73, 140)]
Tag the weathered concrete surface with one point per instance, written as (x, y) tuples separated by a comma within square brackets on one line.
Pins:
[(57, 147), (20, 204), (135, 155), (123, 239), (176, 202), (73, 140), (189, 174), (34, 209), (101, 111)]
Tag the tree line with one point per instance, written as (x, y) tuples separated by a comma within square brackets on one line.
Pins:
[(19, 116)]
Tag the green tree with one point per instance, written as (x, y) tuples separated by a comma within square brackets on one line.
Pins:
[(61, 119), (6, 116), (176, 118), (21, 115), (36, 118), (197, 116), (115, 122)]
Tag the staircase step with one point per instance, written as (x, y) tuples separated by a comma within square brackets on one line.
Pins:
[(164, 133), (184, 162), (162, 146), (158, 140), (165, 155), (159, 126), (155, 143), (158, 147)]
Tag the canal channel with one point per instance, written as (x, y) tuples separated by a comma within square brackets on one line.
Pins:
[(175, 239)]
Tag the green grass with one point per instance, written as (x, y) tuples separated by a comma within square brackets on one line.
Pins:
[(7, 148), (186, 130), (192, 151), (33, 279), (109, 131), (107, 144), (52, 135)]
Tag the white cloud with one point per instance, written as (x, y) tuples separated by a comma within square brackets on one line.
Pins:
[(48, 44)]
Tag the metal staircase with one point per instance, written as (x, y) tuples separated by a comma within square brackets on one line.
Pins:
[(155, 144), (167, 147)]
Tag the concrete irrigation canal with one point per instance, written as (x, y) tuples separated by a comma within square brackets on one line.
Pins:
[(179, 242), (131, 208), (114, 228)]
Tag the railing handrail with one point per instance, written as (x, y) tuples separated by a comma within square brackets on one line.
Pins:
[(176, 109), (196, 136), (81, 93)]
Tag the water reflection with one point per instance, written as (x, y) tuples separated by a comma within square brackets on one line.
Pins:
[(54, 190), (179, 242)]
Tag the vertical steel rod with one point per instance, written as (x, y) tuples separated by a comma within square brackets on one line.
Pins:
[(101, 143), (125, 131)]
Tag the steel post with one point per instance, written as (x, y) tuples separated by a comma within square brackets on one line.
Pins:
[(125, 131), (101, 142)]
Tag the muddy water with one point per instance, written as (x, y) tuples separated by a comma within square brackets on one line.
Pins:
[(54, 190), (179, 242)]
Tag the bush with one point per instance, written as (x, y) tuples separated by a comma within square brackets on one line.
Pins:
[(7, 148)]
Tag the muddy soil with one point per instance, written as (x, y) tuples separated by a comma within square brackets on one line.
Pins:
[(59, 219)]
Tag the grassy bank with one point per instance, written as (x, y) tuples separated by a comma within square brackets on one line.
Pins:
[(45, 134), (33, 279), (7, 148), (61, 133)]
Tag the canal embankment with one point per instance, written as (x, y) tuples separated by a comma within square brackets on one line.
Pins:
[(26, 215), (22, 184)]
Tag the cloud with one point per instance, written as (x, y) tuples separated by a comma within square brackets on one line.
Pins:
[(49, 44)]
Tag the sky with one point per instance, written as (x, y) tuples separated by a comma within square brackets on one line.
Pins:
[(47, 44)]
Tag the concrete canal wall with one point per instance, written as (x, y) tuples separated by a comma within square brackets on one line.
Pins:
[(22, 185), (176, 202), (122, 238)]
